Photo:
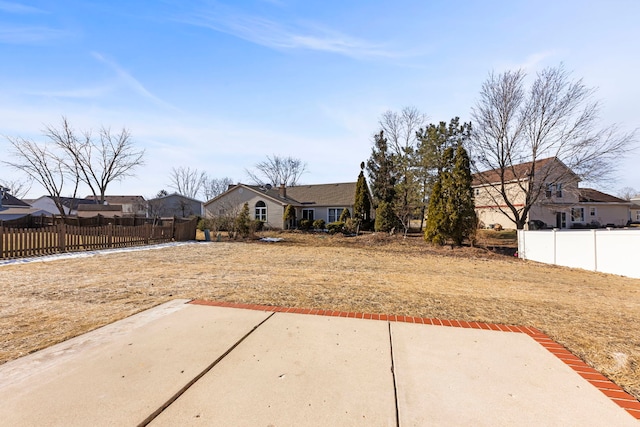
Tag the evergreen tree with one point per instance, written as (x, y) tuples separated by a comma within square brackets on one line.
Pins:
[(386, 218), (381, 170), (435, 229), (362, 204), (243, 221), (289, 216), (439, 211), (429, 156), (345, 215), (462, 214)]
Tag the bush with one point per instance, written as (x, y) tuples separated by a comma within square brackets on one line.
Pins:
[(204, 224), (289, 216), (243, 222), (256, 225), (345, 215), (318, 224), (350, 226), (305, 224), (385, 218), (335, 227)]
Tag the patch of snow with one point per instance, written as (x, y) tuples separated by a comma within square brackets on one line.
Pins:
[(271, 239), (84, 254)]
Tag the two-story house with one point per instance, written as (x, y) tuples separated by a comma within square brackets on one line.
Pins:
[(556, 198)]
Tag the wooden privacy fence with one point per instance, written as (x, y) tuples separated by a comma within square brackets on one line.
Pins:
[(26, 242)]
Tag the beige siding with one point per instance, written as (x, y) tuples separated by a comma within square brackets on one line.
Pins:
[(232, 203)]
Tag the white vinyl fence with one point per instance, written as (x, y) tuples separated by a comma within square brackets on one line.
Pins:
[(615, 251)]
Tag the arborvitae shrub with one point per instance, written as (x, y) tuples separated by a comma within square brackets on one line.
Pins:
[(318, 224)]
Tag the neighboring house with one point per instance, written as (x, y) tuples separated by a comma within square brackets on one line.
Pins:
[(69, 205), (91, 210), (560, 204), (312, 202), (131, 205), (599, 208), (13, 208), (634, 210), (174, 205)]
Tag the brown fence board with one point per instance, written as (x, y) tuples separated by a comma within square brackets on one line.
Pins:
[(65, 237)]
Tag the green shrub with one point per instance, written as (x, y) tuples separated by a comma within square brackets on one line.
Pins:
[(335, 227), (345, 215), (289, 216), (204, 224), (305, 224), (318, 224), (243, 222), (386, 219), (256, 225), (350, 226)]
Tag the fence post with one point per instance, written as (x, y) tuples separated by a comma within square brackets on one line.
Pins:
[(595, 251), (62, 247), (555, 230), (2, 243)]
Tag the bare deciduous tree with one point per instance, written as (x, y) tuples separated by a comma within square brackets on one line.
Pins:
[(555, 118), (278, 170), (401, 131), (627, 193), (98, 163), (17, 188), (70, 159), (44, 166), (213, 187), (187, 182)]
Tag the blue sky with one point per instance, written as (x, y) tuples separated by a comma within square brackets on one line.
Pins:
[(219, 85)]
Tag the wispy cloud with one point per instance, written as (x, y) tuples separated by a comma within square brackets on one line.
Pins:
[(13, 7), (29, 35), (78, 93), (531, 63), (269, 33), (130, 81)]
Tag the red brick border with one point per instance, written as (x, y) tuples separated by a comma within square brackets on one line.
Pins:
[(599, 381)]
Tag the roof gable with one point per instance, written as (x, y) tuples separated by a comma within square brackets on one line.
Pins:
[(518, 172), (9, 200)]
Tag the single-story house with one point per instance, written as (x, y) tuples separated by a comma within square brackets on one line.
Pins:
[(560, 203), (91, 210), (130, 205), (634, 210), (69, 204), (266, 203), (174, 205), (13, 208)]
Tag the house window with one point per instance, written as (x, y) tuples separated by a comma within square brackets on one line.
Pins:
[(477, 191), (577, 214), (308, 214), (558, 190), (334, 214), (637, 215), (549, 191), (261, 211), (592, 211)]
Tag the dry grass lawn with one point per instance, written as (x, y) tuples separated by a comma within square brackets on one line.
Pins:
[(594, 315)]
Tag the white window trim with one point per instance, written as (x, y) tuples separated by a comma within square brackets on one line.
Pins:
[(581, 218), (263, 211), (308, 209), (337, 214)]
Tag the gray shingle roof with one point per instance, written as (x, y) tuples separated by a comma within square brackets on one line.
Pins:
[(340, 194)]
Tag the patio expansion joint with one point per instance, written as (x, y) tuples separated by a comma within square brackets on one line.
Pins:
[(596, 379), (195, 379)]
